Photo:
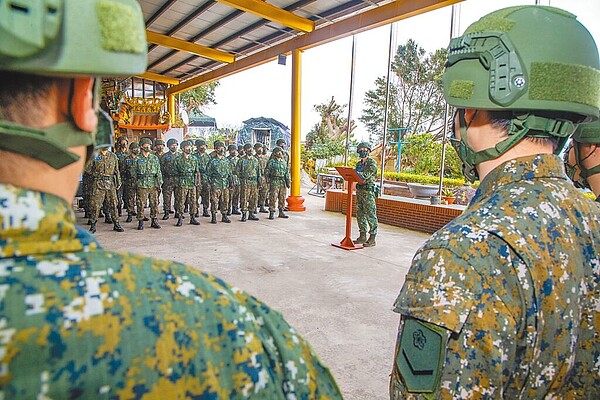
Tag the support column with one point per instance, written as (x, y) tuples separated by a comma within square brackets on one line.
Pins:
[(295, 201), (171, 107)]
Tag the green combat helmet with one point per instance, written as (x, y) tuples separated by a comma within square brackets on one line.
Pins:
[(68, 38), (232, 147), (200, 142), (363, 145), (257, 145), (218, 143), (247, 146), (159, 142), (184, 143), (172, 141), (531, 60), (145, 140), (585, 134)]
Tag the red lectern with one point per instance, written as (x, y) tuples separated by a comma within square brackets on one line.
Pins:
[(351, 177)]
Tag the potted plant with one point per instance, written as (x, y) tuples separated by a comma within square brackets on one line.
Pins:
[(448, 195)]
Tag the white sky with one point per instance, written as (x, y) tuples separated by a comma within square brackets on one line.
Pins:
[(265, 91)]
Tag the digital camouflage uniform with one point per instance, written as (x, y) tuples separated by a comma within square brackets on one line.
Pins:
[(82, 322), (104, 171), (187, 172), (277, 175), (234, 192), (366, 210), (511, 289), (121, 156), (220, 178), (170, 179), (263, 187), (203, 187), (129, 180), (148, 179), (249, 173)]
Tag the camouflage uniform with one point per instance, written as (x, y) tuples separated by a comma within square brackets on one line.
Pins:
[(83, 322), (187, 172), (148, 179), (203, 186), (234, 192), (277, 175), (220, 178), (170, 179), (511, 289), (129, 190), (263, 187), (86, 190), (104, 170), (121, 156), (249, 173), (366, 211)]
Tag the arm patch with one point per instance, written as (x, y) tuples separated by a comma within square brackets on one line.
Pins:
[(420, 355)]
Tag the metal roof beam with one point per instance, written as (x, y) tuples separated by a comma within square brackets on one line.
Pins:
[(272, 13), (159, 78), (188, 47), (391, 12)]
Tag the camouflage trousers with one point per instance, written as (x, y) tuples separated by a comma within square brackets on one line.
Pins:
[(277, 193), (120, 199), (205, 193), (169, 190), (97, 202), (366, 211), (249, 197), (234, 197), (186, 196), (129, 197), (263, 193), (87, 183), (151, 195), (219, 199)]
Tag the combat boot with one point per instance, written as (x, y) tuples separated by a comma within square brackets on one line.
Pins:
[(165, 216), (213, 219), (194, 221), (108, 219), (252, 217), (205, 212), (236, 211), (117, 227), (371, 241), (282, 214), (93, 227), (141, 225), (225, 218), (263, 209), (361, 238), (179, 221), (154, 224), (271, 214), (197, 214), (129, 217), (244, 216), (89, 222)]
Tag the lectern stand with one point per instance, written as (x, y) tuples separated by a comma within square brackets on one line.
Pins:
[(351, 177)]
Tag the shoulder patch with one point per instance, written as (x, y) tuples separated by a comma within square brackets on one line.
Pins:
[(420, 355)]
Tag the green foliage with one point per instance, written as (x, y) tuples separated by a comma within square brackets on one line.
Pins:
[(447, 192), (213, 137), (199, 97), (416, 97), (422, 154), (423, 179)]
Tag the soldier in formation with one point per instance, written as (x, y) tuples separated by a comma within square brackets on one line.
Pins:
[(249, 174), (170, 177), (121, 151), (220, 177), (106, 180), (146, 170), (129, 181), (263, 187), (277, 176), (203, 187), (158, 147), (366, 210), (234, 193), (188, 174)]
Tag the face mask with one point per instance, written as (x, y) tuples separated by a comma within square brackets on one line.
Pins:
[(363, 153), (249, 152), (135, 150), (277, 155), (146, 149), (221, 152), (233, 153), (187, 150), (258, 152), (173, 148), (202, 150)]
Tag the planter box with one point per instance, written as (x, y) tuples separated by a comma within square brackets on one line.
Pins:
[(422, 191)]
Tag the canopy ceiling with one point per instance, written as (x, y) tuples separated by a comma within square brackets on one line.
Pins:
[(198, 41)]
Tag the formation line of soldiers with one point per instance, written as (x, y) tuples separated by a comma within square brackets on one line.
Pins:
[(243, 182)]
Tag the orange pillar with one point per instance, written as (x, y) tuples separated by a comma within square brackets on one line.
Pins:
[(295, 201)]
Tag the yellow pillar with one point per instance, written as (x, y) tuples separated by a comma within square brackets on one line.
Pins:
[(295, 201), (171, 107)]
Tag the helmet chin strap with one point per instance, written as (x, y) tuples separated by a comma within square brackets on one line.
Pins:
[(585, 172)]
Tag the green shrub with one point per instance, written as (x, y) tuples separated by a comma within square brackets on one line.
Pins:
[(423, 179)]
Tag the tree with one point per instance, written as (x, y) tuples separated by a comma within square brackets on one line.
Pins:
[(327, 138), (416, 97), (199, 97)]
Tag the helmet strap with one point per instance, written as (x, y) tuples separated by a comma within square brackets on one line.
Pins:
[(585, 172)]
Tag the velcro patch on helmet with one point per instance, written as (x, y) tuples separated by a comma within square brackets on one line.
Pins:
[(119, 28), (461, 89), (565, 82)]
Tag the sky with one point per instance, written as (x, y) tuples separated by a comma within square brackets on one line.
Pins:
[(265, 91)]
